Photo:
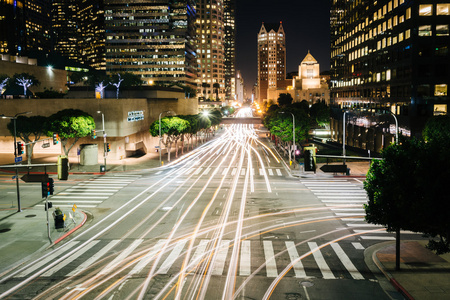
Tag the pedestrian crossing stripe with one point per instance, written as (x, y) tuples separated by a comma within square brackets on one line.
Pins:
[(172, 258), (224, 171)]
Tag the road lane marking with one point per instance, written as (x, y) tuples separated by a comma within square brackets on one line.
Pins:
[(346, 261), (279, 172), (358, 246), (233, 172), (69, 259), (199, 252), (324, 268), (122, 256), (270, 172), (271, 265), (198, 171), (147, 258), (382, 238), (261, 172), (172, 257), (244, 266), (221, 257), (207, 171), (299, 270), (87, 263), (47, 260)]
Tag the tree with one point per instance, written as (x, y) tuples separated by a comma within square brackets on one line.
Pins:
[(171, 128), (24, 80), (3, 82), (50, 94), (205, 85), (131, 79), (285, 100), (100, 88), (406, 190), (30, 130), (117, 83), (320, 114), (70, 124), (216, 87)]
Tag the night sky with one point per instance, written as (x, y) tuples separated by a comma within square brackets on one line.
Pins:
[(305, 22)]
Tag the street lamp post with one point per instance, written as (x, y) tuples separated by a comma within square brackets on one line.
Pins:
[(343, 136), (293, 136), (396, 128), (15, 153), (104, 139), (159, 150)]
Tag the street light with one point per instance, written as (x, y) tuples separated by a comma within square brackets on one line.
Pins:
[(167, 111), (104, 138), (293, 136), (15, 153), (343, 136), (396, 127)]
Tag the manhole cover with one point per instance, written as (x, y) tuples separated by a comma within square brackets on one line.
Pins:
[(5, 230), (30, 216), (307, 283)]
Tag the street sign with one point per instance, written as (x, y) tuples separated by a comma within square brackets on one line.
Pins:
[(45, 145), (157, 147), (35, 177), (18, 159), (334, 168)]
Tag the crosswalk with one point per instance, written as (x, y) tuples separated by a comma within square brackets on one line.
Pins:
[(342, 196), (91, 193), (275, 172), (338, 260)]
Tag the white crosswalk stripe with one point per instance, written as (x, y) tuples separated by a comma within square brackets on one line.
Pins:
[(90, 193), (112, 255)]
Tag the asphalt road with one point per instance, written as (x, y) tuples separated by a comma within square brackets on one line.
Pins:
[(226, 222)]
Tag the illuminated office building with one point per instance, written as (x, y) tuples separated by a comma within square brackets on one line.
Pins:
[(91, 33), (210, 49), (271, 61), (389, 55), (64, 26), (230, 49), (153, 39)]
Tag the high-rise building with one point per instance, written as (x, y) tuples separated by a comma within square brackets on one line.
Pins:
[(64, 26), (271, 60), (210, 49), (91, 33), (25, 27), (229, 44), (152, 38), (390, 55)]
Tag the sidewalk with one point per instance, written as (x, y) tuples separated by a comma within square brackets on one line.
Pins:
[(423, 275)]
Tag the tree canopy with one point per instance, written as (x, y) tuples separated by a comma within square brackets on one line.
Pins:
[(70, 124), (407, 189), (285, 100)]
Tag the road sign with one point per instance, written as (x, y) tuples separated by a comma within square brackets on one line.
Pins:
[(157, 147), (18, 159), (45, 145), (334, 168), (35, 177)]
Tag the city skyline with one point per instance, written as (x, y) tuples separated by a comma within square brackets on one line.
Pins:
[(307, 27)]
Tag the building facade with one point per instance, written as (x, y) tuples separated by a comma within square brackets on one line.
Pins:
[(152, 39), (240, 97), (309, 85), (210, 49), (271, 61), (391, 56), (230, 49), (64, 27)]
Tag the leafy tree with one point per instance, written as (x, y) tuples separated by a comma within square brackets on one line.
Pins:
[(29, 129), (189, 91), (171, 128), (437, 129), (70, 124), (205, 85), (131, 79), (320, 114), (227, 110), (406, 189), (76, 77), (285, 100), (204, 123), (191, 130)]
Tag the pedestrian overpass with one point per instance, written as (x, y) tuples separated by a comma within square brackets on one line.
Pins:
[(246, 120)]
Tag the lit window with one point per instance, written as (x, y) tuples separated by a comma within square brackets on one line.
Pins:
[(407, 34), (440, 90), (425, 30), (442, 30), (388, 75), (425, 10), (440, 109), (408, 13), (443, 9)]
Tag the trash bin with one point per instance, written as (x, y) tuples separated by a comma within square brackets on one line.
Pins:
[(348, 172), (102, 169)]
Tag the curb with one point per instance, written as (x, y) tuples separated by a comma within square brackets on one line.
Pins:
[(390, 278), (72, 230)]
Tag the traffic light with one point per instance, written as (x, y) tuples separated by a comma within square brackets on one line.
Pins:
[(108, 147), (19, 148), (51, 186), (55, 138), (93, 134)]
